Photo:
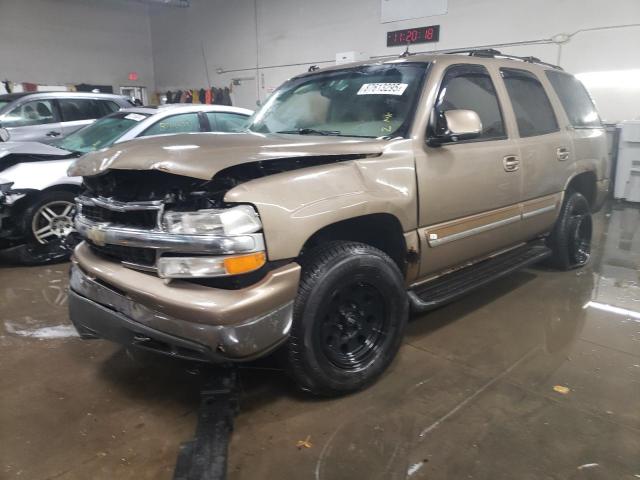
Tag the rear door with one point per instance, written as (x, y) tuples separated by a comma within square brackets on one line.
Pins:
[(78, 112), (469, 191), (546, 150), (589, 136), (32, 121)]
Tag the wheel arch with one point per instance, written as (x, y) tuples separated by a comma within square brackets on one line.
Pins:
[(584, 183), (380, 230), (63, 187)]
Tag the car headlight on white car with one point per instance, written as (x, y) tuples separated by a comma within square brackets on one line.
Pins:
[(238, 220), (5, 185)]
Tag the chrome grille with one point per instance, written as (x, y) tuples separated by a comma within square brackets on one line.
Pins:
[(137, 215), (146, 215), (135, 218)]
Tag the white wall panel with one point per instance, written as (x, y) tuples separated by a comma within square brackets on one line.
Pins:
[(394, 10), (75, 41), (311, 31)]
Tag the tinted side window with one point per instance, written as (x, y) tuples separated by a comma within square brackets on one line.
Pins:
[(183, 123), (531, 105), (73, 109), (227, 122), (469, 87), (575, 99), (37, 112)]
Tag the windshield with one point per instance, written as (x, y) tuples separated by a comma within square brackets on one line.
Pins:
[(367, 101), (3, 103), (102, 133)]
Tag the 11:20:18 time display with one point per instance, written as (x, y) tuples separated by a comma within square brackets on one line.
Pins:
[(413, 35)]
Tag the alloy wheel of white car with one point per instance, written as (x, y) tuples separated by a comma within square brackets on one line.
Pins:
[(53, 220)]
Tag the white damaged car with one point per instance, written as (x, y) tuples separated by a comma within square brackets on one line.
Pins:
[(37, 196)]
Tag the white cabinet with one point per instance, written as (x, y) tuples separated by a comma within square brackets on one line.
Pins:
[(627, 182)]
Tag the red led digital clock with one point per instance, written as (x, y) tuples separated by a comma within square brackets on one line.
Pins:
[(413, 35)]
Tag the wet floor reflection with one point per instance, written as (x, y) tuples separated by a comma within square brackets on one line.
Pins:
[(472, 394), (33, 302), (618, 269)]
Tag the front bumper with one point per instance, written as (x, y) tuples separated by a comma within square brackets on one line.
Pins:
[(10, 220), (181, 319)]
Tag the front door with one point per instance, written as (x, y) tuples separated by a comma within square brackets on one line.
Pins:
[(32, 121), (470, 190)]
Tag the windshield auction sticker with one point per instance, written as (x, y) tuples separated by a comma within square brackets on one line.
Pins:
[(136, 117), (383, 88)]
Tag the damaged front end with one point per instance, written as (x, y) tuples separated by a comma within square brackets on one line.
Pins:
[(167, 265), (173, 226)]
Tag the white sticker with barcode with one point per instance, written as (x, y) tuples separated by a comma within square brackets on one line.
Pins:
[(136, 117), (383, 88)]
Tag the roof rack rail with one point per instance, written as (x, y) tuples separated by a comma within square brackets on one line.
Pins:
[(492, 53)]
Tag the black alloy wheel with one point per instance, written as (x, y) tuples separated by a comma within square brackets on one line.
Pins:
[(354, 325), (348, 318)]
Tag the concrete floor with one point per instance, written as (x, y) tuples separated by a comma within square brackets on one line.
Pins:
[(471, 394)]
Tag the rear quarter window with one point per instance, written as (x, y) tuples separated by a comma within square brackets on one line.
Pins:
[(575, 99), (227, 122)]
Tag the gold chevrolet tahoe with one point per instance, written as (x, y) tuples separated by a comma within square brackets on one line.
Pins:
[(358, 193)]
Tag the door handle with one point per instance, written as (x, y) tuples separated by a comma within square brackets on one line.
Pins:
[(511, 163), (562, 154), (53, 133)]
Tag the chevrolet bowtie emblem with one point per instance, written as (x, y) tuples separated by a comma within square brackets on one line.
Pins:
[(97, 235)]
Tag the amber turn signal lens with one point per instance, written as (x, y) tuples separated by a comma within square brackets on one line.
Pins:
[(244, 263)]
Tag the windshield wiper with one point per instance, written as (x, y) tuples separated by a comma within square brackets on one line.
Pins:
[(311, 131)]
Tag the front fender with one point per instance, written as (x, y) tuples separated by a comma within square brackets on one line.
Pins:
[(294, 205)]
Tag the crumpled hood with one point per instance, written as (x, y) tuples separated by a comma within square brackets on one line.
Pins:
[(30, 148), (202, 155)]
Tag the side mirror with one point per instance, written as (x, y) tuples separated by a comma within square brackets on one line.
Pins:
[(456, 125), (4, 135)]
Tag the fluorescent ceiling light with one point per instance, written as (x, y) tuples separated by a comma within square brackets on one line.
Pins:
[(611, 79)]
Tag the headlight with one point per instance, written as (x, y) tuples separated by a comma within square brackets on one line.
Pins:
[(5, 185), (232, 221)]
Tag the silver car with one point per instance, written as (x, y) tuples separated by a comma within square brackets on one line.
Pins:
[(43, 116)]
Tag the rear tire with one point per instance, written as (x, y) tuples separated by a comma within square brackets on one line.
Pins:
[(570, 239), (348, 320)]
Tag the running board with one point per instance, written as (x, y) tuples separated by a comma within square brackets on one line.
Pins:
[(449, 287)]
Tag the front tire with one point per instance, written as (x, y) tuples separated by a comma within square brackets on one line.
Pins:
[(570, 239), (349, 318), (46, 223), (49, 219)]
